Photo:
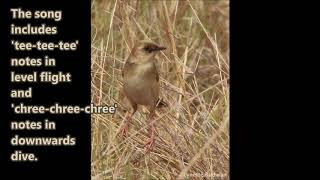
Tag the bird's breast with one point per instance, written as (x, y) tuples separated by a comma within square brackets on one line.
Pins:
[(140, 72), (140, 84)]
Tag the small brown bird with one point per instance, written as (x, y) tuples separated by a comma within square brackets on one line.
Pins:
[(141, 84)]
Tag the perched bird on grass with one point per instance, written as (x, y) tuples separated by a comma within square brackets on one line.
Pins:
[(141, 84)]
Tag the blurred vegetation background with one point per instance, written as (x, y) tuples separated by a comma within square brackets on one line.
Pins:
[(193, 132)]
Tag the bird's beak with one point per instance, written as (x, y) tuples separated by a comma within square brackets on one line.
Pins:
[(153, 48), (160, 48)]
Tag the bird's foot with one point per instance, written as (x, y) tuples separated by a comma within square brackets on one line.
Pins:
[(124, 130), (148, 146)]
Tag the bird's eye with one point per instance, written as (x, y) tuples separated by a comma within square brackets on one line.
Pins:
[(148, 48)]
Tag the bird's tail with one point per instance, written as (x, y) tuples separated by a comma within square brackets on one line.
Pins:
[(161, 103)]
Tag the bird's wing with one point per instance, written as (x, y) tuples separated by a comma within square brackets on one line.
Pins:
[(155, 87)]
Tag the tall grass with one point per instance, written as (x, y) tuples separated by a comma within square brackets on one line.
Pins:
[(192, 139)]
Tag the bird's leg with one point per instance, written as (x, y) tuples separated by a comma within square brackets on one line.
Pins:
[(151, 131), (128, 117), (124, 130)]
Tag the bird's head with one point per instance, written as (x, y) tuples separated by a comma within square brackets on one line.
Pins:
[(144, 51)]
